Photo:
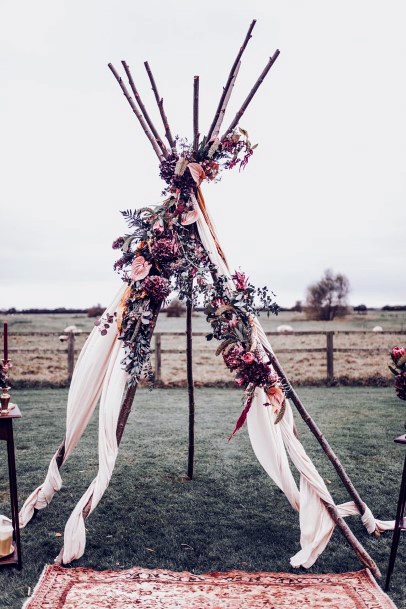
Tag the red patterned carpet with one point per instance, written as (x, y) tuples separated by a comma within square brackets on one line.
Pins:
[(61, 588)]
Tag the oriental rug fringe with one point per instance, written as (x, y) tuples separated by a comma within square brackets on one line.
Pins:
[(78, 588)]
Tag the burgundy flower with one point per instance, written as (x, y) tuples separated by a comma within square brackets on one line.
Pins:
[(248, 358), (397, 353), (232, 357), (118, 243), (240, 280), (165, 250), (157, 288), (400, 385), (256, 373)]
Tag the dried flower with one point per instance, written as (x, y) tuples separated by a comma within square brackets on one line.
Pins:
[(232, 357), (400, 385), (140, 268), (165, 250), (157, 288), (248, 358), (397, 353), (158, 227), (256, 373), (118, 243), (240, 280)]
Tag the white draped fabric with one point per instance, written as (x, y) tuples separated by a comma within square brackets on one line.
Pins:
[(99, 370)]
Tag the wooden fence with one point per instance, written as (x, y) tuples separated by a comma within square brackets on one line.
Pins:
[(328, 349)]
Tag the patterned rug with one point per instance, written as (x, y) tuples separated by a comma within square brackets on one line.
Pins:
[(60, 588)]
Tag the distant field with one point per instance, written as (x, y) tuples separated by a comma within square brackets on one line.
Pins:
[(46, 361)]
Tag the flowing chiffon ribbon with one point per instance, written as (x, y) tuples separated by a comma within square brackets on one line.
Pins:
[(99, 370), (84, 392)]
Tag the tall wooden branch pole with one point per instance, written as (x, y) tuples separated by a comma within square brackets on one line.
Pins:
[(220, 119), (143, 109), (230, 82), (338, 466), (190, 382), (195, 113), (251, 94), (137, 113), (160, 102)]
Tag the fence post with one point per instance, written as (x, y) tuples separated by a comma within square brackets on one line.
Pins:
[(71, 355), (158, 357), (330, 355)]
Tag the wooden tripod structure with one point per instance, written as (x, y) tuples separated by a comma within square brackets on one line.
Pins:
[(163, 152)]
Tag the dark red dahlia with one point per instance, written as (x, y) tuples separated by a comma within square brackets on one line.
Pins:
[(165, 250), (232, 357), (158, 288), (256, 373)]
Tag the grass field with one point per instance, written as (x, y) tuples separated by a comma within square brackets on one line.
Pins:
[(231, 516), (46, 362)]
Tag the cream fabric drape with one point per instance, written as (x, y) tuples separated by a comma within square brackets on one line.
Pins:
[(99, 370), (273, 443), (86, 385)]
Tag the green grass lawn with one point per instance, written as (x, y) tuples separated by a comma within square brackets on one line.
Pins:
[(231, 516)]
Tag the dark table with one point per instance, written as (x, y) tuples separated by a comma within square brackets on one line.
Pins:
[(6, 433)]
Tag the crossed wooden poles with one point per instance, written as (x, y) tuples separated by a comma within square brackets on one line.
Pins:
[(162, 152)]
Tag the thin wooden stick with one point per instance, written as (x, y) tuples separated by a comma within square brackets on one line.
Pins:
[(220, 119), (358, 548), (190, 382), (251, 94), (137, 113), (160, 102), (195, 113), (231, 77), (143, 109)]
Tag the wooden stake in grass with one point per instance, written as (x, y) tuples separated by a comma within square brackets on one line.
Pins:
[(137, 113), (251, 94), (225, 96), (144, 110), (160, 102), (190, 381)]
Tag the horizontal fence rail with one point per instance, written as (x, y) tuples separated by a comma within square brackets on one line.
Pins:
[(329, 349)]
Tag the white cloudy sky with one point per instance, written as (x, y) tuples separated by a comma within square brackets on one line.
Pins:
[(326, 187)]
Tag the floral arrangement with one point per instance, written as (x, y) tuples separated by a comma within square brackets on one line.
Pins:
[(163, 252), (398, 369)]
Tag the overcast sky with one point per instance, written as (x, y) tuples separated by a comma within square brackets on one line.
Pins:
[(325, 188)]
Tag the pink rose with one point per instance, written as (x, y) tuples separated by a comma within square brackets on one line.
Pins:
[(140, 268), (248, 357), (397, 353), (233, 322)]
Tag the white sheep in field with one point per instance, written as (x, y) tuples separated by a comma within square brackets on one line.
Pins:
[(69, 330), (377, 329), (73, 329), (284, 328)]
